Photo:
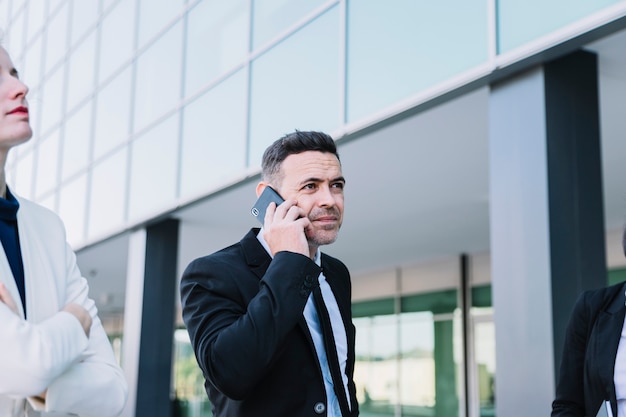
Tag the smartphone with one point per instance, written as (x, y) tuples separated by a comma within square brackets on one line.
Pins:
[(268, 196)]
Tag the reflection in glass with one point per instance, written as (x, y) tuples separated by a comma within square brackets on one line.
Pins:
[(153, 172), (108, 194), (31, 72), (112, 114), (188, 380), (513, 17), (485, 351), (274, 16), (376, 367), (47, 164), (52, 100), (56, 37), (214, 136), (154, 15), (88, 15), (157, 85), (395, 52), (16, 43), (116, 38), (81, 71), (72, 208), (76, 141), (23, 182), (36, 18), (295, 85), (417, 363), (217, 40)]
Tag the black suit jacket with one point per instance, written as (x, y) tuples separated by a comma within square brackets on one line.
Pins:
[(591, 341), (243, 311)]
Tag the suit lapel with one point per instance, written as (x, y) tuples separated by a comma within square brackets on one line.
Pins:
[(607, 334), (256, 256)]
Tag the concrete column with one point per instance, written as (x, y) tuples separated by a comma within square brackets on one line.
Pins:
[(149, 319), (547, 238)]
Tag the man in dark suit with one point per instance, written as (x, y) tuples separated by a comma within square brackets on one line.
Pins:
[(255, 311), (593, 366)]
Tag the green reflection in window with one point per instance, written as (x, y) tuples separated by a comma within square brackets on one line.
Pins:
[(481, 296), (439, 302), (408, 361), (616, 276), (191, 399), (397, 51)]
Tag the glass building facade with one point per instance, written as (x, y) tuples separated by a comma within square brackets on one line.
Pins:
[(143, 108)]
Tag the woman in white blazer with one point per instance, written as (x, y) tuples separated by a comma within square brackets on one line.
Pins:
[(55, 358)]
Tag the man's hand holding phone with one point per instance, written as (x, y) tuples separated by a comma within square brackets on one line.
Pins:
[(284, 223)]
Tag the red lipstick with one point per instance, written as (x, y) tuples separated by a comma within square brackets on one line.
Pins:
[(20, 109)]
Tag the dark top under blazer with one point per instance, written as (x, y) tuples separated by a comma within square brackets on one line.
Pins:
[(243, 311), (588, 364)]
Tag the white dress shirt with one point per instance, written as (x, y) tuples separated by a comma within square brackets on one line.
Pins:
[(339, 333)]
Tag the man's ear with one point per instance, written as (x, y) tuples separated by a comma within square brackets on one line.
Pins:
[(260, 187)]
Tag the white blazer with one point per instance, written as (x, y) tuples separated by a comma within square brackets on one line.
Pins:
[(49, 350)]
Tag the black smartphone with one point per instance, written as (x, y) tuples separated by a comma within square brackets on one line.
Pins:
[(268, 196)]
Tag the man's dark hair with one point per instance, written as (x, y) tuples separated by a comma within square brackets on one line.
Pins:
[(293, 143)]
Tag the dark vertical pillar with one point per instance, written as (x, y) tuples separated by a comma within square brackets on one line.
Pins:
[(577, 232), (157, 323), (546, 221)]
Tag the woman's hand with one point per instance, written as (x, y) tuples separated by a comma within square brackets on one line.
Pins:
[(6, 298), (81, 314)]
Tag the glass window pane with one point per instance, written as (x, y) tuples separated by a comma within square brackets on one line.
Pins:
[(158, 81), (214, 136), (546, 16), (47, 164), (56, 37), (376, 366), (156, 14), (84, 15), (117, 38), (274, 16), (485, 348), (4, 14), (23, 181), (112, 114), (295, 85), (36, 18), (153, 175), (188, 379), (217, 40), (15, 41), (31, 73), (395, 52), (429, 384), (72, 208), (76, 141), (81, 71), (108, 195), (52, 99)]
